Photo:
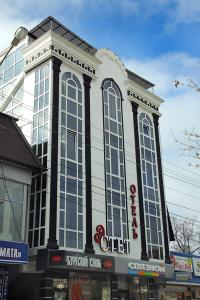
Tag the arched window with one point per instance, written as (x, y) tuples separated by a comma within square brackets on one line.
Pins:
[(150, 188), (71, 163), (115, 184)]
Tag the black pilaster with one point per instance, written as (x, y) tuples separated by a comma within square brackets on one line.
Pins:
[(144, 255), (88, 246), (162, 194), (52, 241)]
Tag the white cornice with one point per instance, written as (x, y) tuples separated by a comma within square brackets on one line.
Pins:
[(143, 97), (107, 52), (51, 44)]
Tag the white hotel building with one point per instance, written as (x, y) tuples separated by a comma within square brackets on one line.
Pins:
[(97, 224)]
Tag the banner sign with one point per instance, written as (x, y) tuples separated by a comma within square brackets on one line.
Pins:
[(196, 265), (182, 263), (13, 253), (78, 261)]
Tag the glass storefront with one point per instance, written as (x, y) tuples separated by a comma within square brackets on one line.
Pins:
[(83, 286), (178, 292), (140, 288), (93, 286)]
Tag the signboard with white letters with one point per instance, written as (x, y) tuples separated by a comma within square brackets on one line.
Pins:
[(13, 253)]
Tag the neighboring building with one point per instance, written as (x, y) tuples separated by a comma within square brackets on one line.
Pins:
[(17, 164), (186, 282), (99, 206)]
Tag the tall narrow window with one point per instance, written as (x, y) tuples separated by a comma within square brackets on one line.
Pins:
[(41, 111), (71, 164), (114, 161), (150, 188)]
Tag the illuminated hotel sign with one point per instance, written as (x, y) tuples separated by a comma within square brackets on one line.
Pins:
[(133, 210), (111, 244)]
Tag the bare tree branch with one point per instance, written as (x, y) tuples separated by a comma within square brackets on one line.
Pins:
[(186, 236)]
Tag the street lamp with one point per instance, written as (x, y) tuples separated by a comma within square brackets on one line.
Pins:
[(19, 35)]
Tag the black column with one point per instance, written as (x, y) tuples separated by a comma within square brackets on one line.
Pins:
[(52, 241), (88, 246), (162, 194), (144, 255)]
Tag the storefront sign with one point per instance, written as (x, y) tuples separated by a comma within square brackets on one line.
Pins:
[(182, 263), (196, 265), (13, 253), (146, 269), (139, 268), (134, 212), (183, 276), (111, 244), (61, 258)]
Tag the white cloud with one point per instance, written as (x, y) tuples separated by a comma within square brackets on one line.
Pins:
[(30, 13), (186, 11)]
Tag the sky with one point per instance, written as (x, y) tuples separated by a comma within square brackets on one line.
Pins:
[(157, 39)]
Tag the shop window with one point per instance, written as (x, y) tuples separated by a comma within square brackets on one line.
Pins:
[(89, 286)]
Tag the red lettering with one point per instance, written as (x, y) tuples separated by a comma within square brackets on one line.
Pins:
[(133, 188), (133, 210), (134, 223), (135, 234), (132, 198)]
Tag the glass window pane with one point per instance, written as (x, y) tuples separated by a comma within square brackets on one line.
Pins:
[(71, 107), (71, 186), (72, 122), (80, 240), (18, 54), (71, 92), (117, 222), (112, 106), (8, 75), (9, 61), (71, 145), (71, 212), (114, 161), (114, 141), (115, 198), (18, 67), (71, 239), (71, 169), (61, 238), (149, 174)]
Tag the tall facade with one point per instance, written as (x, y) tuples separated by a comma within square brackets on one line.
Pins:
[(98, 206)]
